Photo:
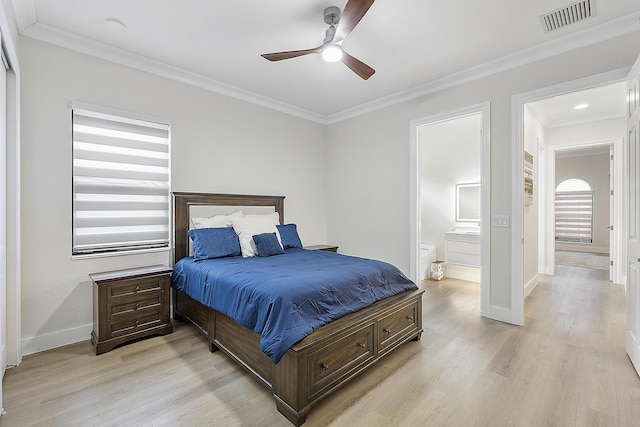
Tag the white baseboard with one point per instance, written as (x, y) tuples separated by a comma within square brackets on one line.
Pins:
[(578, 247), (530, 285), (56, 339), (3, 352)]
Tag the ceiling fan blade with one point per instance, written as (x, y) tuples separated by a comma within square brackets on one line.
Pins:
[(279, 56), (357, 66), (351, 15)]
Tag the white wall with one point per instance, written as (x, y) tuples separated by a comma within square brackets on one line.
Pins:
[(586, 133), (368, 157), (219, 144), (449, 155)]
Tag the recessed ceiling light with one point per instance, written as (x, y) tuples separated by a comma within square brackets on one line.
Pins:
[(580, 106), (115, 24)]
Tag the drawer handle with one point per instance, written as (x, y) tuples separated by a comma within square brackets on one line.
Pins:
[(388, 331), (362, 345), (410, 318), (137, 288), (325, 367)]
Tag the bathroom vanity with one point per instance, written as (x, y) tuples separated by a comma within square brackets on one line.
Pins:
[(462, 248), (462, 255), (462, 245)]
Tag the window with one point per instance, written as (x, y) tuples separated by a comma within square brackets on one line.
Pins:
[(574, 211), (120, 183)]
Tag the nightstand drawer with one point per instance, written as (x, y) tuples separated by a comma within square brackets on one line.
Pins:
[(130, 325), (134, 289), (137, 306)]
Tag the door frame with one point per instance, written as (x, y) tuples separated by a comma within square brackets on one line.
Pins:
[(617, 219), (14, 276), (484, 109), (517, 173)]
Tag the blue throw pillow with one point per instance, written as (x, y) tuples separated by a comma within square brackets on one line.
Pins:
[(214, 243), (289, 236), (267, 244)]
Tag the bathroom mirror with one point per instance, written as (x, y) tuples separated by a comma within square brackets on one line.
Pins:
[(468, 202)]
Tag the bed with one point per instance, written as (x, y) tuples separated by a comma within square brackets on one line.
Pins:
[(326, 358)]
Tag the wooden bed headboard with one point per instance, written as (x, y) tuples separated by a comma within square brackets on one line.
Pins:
[(183, 202)]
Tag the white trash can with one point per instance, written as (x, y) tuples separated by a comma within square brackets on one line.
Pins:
[(427, 256)]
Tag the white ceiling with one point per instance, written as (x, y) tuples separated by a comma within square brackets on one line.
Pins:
[(602, 102), (415, 46)]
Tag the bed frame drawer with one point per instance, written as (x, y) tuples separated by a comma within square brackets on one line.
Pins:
[(396, 326), (329, 364)]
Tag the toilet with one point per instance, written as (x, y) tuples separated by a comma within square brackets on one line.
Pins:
[(427, 256)]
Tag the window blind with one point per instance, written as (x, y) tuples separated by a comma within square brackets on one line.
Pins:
[(120, 183), (574, 216)]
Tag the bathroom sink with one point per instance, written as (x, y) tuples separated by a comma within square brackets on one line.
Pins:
[(468, 235)]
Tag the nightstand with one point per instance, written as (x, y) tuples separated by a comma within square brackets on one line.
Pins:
[(130, 304), (328, 248)]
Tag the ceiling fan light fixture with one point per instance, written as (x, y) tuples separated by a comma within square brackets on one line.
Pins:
[(332, 53)]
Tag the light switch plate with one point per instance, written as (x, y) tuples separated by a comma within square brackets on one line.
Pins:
[(501, 221)]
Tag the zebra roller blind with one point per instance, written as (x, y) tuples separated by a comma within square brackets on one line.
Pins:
[(574, 212), (120, 183)]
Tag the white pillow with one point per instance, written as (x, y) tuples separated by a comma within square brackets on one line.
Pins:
[(215, 221), (275, 217), (249, 226)]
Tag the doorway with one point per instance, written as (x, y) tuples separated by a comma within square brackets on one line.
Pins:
[(442, 196), (579, 140), (546, 258), (593, 240)]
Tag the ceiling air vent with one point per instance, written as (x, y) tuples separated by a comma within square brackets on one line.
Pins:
[(567, 15)]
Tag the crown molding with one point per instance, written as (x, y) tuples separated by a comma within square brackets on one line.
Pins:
[(25, 13), (32, 28), (602, 32), (110, 53)]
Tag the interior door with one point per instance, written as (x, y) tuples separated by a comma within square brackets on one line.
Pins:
[(611, 213), (633, 238)]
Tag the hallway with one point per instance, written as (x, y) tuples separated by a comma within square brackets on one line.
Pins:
[(566, 367)]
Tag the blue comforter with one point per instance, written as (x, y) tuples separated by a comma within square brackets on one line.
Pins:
[(286, 297)]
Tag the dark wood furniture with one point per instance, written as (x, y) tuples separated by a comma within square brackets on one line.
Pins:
[(329, 248), (323, 361), (130, 304)]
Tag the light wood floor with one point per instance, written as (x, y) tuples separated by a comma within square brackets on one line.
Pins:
[(566, 367)]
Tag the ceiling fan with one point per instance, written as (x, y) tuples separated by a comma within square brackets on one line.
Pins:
[(331, 47)]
